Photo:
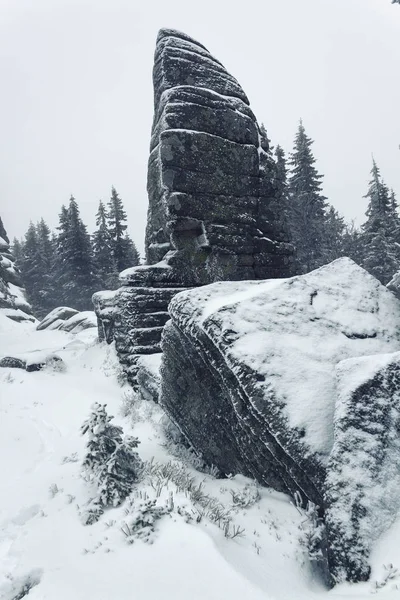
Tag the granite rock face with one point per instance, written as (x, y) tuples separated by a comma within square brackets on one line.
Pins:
[(212, 198), (134, 315), (249, 374), (214, 212), (13, 303), (363, 480)]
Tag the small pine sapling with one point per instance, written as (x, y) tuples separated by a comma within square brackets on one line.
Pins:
[(110, 462)]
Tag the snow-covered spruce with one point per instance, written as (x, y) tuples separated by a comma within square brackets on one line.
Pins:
[(111, 463)]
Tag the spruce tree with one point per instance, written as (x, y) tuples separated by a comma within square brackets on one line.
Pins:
[(110, 463), (281, 178), (117, 227), (131, 254), (122, 245), (306, 204), (102, 250), (17, 251), (380, 249), (29, 266), (47, 285), (333, 238), (75, 269)]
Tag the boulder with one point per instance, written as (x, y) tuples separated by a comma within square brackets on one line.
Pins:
[(363, 477), (32, 361), (249, 373), (79, 322), (36, 361), (61, 313), (11, 362)]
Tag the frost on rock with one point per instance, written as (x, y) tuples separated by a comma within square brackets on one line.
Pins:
[(213, 211), (55, 317), (249, 371), (68, 319), (363, 481), (149, 377)]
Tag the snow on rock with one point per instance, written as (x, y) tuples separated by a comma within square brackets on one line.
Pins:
[(45, 547), (32, 361), (79, 322), (68, 319), (149, 376), (61, 313), (394, 284), (212, 200), (214, 211), (105, 306), (363, 481), (248, 372), (134, 315)]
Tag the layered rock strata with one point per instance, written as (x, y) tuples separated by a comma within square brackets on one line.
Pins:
[(212, 198), (249, 377), (213, 212)]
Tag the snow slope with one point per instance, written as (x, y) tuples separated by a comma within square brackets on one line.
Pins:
[(43, 541)]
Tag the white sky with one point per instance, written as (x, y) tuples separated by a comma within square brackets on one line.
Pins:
[(77, 100)]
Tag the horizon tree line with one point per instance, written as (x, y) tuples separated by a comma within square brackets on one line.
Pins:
[(69, 265), (66, 266), (319, 233)]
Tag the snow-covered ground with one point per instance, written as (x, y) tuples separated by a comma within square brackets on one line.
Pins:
[(44, 544)]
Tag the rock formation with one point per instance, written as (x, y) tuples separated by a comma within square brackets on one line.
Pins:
[(249, 377), (68, 319), (362, 488), (212, 199), (214, 210), (13, 303)]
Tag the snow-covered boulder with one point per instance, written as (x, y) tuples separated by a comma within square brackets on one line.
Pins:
[(68, 319), (363, 477), (79, 322), (35, 360), (249, 369), (54, 319)]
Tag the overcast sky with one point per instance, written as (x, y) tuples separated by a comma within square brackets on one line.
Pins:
[(76, 97)]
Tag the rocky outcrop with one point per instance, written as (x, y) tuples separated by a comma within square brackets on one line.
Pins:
[(249, 373), (33, 361), (212, 198), (214, 210), (13, 303), (68, 319), (363, 481), (149, 377), (55, 318)]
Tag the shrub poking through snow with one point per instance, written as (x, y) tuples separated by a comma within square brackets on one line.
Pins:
[(111, 463), (246, 497), (142, 516), (312, 529)]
